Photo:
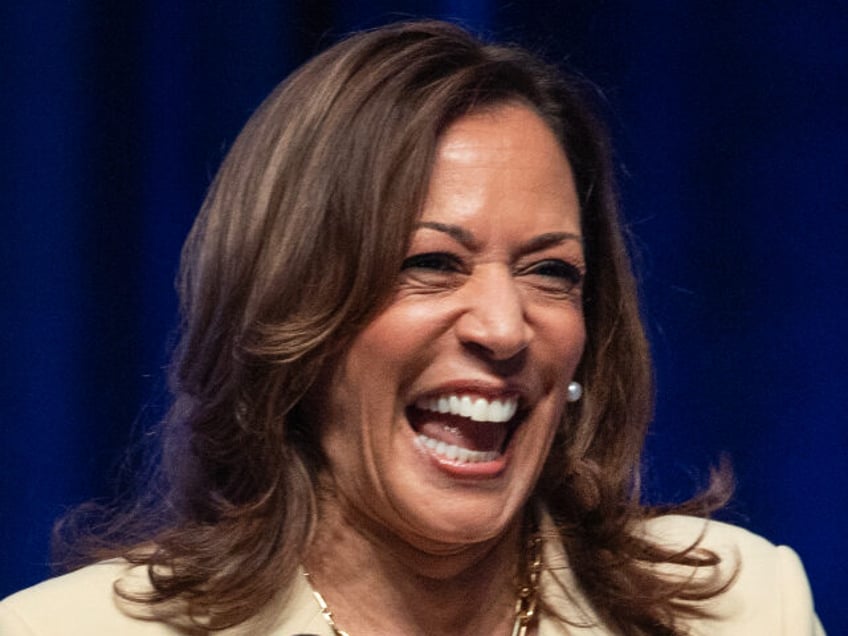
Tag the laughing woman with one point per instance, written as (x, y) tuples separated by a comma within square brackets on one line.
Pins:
[(412, 385)]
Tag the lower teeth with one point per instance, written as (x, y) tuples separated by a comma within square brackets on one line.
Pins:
[(456, 453)]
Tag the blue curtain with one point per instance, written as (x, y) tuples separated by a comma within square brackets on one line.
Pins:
[(731, 134)]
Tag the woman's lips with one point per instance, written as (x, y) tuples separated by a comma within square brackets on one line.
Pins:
[(464, 434)]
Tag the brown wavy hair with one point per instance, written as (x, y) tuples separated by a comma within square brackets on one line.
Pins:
[(295, 249)]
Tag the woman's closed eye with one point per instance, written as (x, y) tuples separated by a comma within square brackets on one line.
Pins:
[(557, 273), (433, 262), (552, 275)]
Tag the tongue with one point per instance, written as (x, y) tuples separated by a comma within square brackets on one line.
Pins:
[(461, 431)]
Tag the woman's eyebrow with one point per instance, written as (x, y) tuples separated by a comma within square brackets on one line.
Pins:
[(550, 239), (537, 243), (459, 234)]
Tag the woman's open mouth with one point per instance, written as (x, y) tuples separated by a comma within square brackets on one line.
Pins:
[(464, 429)]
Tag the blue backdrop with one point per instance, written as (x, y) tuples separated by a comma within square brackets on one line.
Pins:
[(730, 126)]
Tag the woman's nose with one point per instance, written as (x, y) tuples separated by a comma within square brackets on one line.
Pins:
[(494, 316)]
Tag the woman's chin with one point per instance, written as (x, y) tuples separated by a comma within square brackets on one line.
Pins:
[(452, 525), (448, 503)]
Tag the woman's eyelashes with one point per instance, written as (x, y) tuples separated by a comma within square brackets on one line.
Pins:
[(433, 261), (561, 274), (553, 274)]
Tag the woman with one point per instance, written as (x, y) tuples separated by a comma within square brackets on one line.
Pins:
[(412, 385)]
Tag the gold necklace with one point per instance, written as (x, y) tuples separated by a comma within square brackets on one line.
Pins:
[(525, 603)]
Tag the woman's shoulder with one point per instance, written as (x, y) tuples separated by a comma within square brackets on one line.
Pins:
[(683, 531), (84, 603), (79, 603), (768, 591)]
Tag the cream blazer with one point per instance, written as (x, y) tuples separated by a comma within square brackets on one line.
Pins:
[(770, 597)]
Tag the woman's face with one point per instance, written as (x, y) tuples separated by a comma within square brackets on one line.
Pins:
[(442, 411)]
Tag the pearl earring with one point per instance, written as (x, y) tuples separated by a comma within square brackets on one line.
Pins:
[(574, 392)]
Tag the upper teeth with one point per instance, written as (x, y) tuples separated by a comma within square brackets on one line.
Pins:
[(477, 408)]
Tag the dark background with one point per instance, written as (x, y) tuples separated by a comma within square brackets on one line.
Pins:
[(731, 127)]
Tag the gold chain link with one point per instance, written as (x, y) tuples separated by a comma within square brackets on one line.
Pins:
[(525, 604)]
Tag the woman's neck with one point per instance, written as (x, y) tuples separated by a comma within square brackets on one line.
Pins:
[(376, 583)]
